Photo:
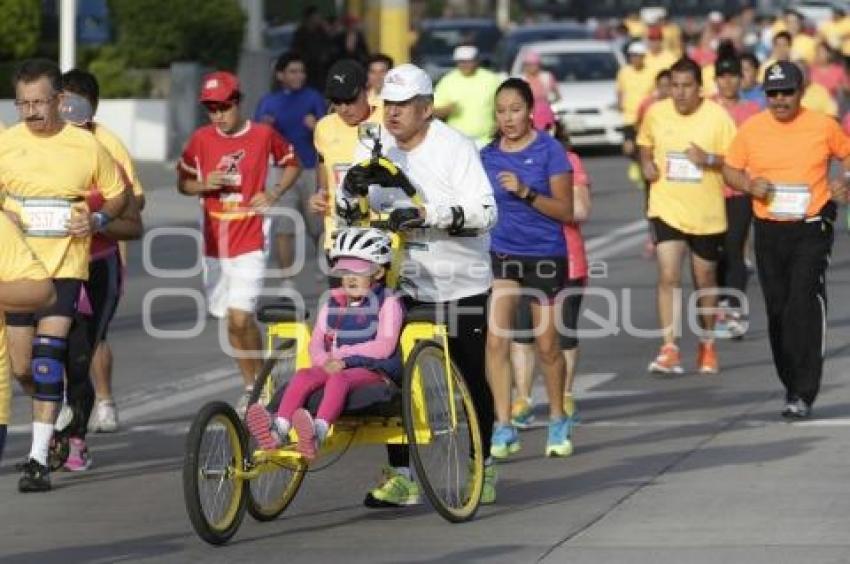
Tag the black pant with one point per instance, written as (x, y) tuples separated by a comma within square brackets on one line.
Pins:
[(731, 269), (467, 338), (792, 258), (81, 343)]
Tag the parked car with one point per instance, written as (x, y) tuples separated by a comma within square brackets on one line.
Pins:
[(437, 40), (586, 71), (279, 38), (514, 40)]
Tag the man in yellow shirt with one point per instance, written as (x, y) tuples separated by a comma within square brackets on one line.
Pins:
[(682, 142), (337, 135), (836, 31), (48, 201), (634, 83), (657, 57), (24, 286), (465, 97)]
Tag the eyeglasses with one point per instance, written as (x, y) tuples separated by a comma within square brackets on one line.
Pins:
[(33, 104), (785, 92), (218, 107)]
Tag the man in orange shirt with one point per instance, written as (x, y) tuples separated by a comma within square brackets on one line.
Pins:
[(781, 158)]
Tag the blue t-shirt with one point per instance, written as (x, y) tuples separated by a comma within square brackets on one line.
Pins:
[(522, 230), (755, 94), (288, 108)]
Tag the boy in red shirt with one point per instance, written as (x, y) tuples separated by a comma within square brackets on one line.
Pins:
[(225, 165)]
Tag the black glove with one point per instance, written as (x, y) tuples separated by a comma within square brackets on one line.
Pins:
[(356, 182), (348, 209), (405, 218)]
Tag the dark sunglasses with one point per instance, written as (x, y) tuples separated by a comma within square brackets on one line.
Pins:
[(218, 107), (785, 92)]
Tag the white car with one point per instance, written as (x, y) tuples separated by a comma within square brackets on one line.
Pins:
[(586, 71)]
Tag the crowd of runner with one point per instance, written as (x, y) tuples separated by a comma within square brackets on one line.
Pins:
[(721, 133)]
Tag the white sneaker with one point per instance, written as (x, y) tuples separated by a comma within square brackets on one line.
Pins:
[(105, 417), (66, 415)]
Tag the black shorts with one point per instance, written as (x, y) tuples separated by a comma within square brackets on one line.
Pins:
[(67, 293), (547, 275), (570, 308), (706, 247), (104, 290)]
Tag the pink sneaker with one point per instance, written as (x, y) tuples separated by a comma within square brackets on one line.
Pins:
[(260, 426), (302, 421), (79, 459)]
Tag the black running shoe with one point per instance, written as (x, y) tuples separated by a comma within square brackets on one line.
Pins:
[(35, 477)]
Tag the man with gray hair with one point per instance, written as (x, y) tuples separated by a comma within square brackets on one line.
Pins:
[(439, 268)]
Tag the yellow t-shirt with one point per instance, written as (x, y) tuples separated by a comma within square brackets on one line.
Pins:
[(633, 86), (17, 262), (657, 63), (686, 197), (804, 47), (837, 34), (817, 98), (63, 166), (709, 81), (474, 96), (116, 149), (337, 142), (672, 35)]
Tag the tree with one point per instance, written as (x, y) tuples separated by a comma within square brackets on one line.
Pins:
[(155, 33), (20, 27)]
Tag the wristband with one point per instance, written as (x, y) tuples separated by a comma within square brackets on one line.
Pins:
[(530, 196), (100, 220), (711, 160)]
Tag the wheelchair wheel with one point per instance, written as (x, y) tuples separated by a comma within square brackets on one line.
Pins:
[(215, 450), (276, 371), (270, 493), (445, 441)]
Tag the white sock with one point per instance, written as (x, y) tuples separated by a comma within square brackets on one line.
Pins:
[(404, 471), (282, 426), (322, 427), (41, 434)]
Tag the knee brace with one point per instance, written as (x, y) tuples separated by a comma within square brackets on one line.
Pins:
[(48, 367)]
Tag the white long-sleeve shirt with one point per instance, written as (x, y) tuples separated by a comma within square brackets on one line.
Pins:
[(446, 171)]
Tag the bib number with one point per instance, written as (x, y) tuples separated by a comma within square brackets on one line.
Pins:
[(789, 201), (46, 217), (681, 169)]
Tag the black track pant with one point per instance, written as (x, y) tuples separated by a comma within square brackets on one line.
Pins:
[(792, 258), (468, 336), (731, 269)]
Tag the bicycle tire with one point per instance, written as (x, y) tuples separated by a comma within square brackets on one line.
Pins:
[(457, 499), (228, 455)]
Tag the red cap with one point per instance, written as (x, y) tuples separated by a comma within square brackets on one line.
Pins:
[(219, 86), (654, 33)]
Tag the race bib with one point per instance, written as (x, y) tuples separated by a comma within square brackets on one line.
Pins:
[(46, 217), (681, 169), (789, 201)]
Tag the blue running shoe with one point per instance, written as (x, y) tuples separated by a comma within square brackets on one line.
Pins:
[(505, 441), (558, 443)]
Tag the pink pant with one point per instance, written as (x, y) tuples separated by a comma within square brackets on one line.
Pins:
[(308, 380)]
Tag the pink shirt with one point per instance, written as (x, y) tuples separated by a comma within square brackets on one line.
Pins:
[(830, 77), (576, 254), (382, 346)]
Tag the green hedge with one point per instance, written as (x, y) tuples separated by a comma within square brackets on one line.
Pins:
[(20, 28)]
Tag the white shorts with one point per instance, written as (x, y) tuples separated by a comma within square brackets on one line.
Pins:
[(234, 283)]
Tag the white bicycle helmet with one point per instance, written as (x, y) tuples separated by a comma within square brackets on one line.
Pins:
[(368, 244)]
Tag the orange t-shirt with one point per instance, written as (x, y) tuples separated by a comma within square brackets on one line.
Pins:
[(796, 153)]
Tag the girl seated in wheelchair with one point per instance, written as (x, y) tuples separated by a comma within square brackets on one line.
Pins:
[(354, 344)]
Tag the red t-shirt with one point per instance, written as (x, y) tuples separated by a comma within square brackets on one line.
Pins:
[(230, 227), (740, 112)]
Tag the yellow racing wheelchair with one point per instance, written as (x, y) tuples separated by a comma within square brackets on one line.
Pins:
[(226, 474)]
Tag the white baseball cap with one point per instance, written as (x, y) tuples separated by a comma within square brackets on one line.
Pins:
[(465, 53), (405, 82), (636, 48)]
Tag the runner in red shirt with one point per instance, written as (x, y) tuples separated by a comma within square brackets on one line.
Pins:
[(731, 269), (225, 164)]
